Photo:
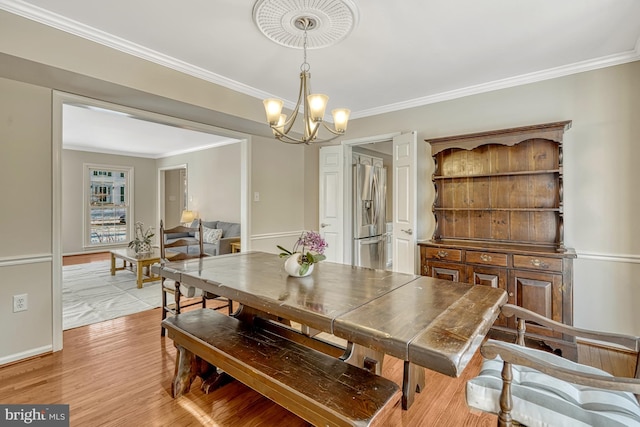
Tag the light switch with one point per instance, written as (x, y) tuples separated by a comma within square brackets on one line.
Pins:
[(256, 197)]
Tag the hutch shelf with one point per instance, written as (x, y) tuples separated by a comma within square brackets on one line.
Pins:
[(499, 222)]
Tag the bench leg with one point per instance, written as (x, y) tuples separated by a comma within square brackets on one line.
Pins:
[(185, 372), (413, 382), (214, 379), (188, 367)]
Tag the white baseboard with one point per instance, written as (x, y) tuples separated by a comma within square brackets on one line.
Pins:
[(25, 355)]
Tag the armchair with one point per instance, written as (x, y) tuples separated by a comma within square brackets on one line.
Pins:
[(525, 386)]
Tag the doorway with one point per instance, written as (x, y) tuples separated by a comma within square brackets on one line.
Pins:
[(61, 99), (404, 171), (173, 191), (378, 156)]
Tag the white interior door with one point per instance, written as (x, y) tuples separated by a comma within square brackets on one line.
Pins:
[(331, 201), (404, 202)]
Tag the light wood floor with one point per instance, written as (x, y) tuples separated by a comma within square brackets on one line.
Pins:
[(118, 373), (85, 258)]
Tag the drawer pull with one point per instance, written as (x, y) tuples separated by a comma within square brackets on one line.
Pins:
[(537, 263), (442, 254), (485, 257)]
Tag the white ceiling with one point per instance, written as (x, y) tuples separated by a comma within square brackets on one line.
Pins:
[(107, 131), (401, 54)]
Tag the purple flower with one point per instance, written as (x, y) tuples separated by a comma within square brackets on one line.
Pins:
[(311, 241)]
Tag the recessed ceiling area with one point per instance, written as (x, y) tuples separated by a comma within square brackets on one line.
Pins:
[(89, 128)]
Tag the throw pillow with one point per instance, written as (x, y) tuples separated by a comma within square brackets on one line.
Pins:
[(211, 235)]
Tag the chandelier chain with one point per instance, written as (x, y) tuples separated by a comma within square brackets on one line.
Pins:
[(305, 67)]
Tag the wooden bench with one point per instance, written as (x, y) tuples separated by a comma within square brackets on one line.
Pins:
[(319, 388)]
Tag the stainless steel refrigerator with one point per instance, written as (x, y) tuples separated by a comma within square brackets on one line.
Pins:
[(369, 203)]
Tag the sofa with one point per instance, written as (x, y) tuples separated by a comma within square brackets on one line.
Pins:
[(218, 236)]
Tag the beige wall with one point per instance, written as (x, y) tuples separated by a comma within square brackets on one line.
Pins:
[(25, 218), (213, 181)]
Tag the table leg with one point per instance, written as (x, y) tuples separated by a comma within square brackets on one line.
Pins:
[(366, 358), (413, 381), (113, 265), (139, 269)]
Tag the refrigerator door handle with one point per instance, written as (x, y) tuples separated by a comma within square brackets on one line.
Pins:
[(376, 197)]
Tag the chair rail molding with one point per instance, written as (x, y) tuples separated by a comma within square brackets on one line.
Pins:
[(601, 256), (25, 259)]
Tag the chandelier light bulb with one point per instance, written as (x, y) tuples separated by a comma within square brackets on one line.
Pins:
[(273, 108), (279, 127), (317, 105), (340, 119)]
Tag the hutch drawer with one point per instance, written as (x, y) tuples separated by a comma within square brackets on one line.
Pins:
[(487, 258), (444, 254), (537, 263)]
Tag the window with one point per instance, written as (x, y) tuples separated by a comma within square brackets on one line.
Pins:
[(107, 209)]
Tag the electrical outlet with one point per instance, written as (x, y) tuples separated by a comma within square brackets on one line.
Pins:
[(256, 196), (20, 303)]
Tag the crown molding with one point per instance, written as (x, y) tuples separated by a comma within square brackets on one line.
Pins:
[(79, 29), (101, 150), (551, 73), (48, 18)]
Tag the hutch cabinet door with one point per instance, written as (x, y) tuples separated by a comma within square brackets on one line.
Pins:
[(444, 271), (496, 278), (538, 292)]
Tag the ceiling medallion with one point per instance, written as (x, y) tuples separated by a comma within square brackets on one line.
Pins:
[(334, 20)]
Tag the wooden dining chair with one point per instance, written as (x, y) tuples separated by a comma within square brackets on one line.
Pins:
[(532, 387), (191, 246)]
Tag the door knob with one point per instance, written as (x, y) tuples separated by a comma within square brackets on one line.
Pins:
[(323, 225), (409, 231)]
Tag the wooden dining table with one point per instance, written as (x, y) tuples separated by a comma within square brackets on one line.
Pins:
[(426, 322)]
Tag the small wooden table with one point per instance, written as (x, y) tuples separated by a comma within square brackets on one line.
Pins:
[(235, 247), (137, 261)]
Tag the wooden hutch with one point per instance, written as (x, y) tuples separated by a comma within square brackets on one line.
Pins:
[(499, 222)]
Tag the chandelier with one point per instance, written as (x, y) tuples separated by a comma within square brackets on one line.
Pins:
[(288, 23)]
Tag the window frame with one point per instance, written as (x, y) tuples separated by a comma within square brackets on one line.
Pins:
[(88, 169)]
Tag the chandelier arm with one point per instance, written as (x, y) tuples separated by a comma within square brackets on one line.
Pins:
[(294, 113), (313, 131), (335, 132), (291, 140), (283, 137), (304, 94)]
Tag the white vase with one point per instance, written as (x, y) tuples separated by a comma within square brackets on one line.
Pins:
[(144, 248), (292, 267)]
